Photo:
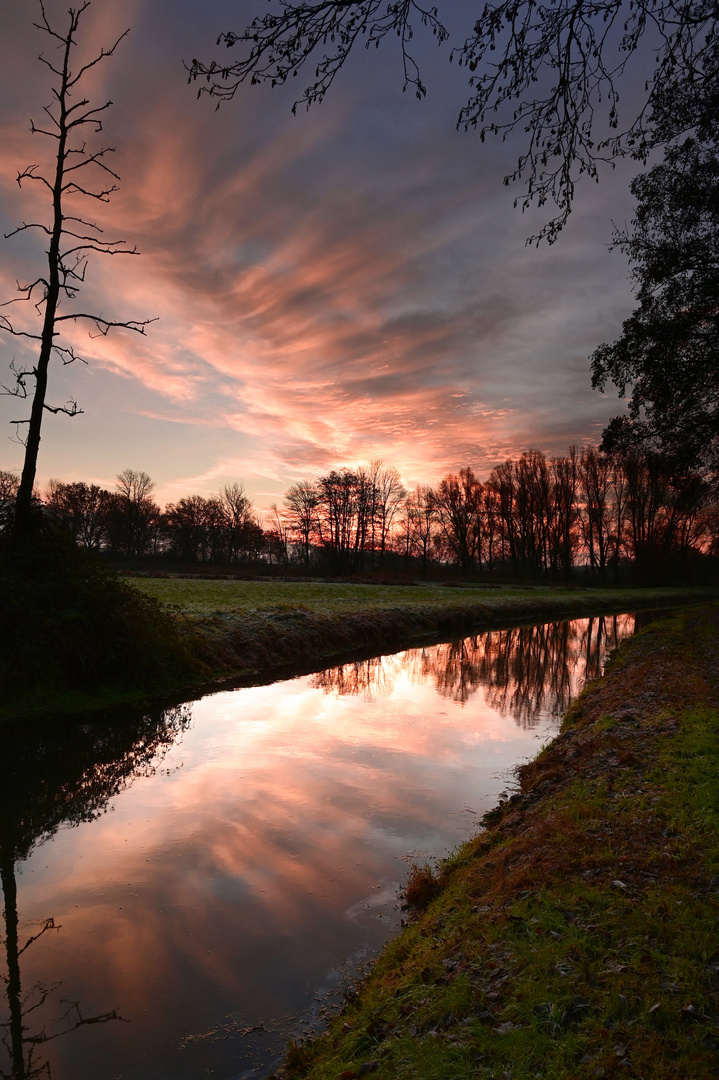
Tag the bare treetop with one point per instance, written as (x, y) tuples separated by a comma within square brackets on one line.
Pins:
[(81, 172)]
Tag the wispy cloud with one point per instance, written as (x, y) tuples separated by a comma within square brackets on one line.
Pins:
[(328, 297)]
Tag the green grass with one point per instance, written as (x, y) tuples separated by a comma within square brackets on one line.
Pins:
[(578, 935), (202, 597)]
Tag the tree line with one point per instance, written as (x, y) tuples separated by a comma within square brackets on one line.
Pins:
[(534, 517)]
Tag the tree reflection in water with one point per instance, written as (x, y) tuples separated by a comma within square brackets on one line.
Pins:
[(374, 678), (54, 775), (526, 671)]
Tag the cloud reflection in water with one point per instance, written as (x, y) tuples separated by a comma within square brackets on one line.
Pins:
[(226, 886)]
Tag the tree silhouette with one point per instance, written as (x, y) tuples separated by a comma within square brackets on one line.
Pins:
[(550, 71), (80, 172), (668, 348)]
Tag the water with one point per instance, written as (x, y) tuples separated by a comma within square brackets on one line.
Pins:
[(200, 882)]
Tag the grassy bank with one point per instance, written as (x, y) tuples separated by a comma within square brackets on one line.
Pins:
[(577, 935), (77, 638), (254, 629), (215, 597)]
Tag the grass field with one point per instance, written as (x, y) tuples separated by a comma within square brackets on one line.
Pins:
[(202, 597)]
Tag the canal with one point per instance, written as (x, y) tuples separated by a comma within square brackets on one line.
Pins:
[(186, 889)]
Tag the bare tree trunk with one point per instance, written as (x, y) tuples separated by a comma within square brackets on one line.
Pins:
[(23, 503), (12, 954)]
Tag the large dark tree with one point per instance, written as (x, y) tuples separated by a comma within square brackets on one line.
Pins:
[(79, 172), (668, 352), (551, 70)]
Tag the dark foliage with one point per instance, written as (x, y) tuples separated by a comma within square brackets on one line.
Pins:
[(69, 623), (668, 351), (669, 348)]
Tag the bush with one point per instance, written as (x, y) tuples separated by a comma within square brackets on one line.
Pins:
[(69, 623)]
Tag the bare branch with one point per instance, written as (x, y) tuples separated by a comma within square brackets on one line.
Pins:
[(20, 388), (27, 290), (101, 196), (35, 130), (28, 225), (103, 247), (105, 325), (71, 408), (6, 325), (68, 355), (92, 159), (49, 924), (88, 117), (104, 53), (81, 221), (80, 1021), (29, 174), (75, 15)]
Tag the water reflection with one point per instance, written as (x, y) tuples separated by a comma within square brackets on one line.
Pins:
[(524, 671), (59, 776), (213, 867)]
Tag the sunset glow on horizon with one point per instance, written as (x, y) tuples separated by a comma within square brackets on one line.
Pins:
[(348, 284)]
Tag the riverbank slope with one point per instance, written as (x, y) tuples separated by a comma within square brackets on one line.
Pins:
[(178, 638), (577, 935), (261, 630)]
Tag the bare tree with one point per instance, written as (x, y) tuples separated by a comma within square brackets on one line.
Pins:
[(279, 536), (239, 519), (345, 507), (302, 501), (595, 480), (458, 506), (388, 494), (82, 509), (134, 485), (80, 172), (420, 524), (563, 512), (134, 516)]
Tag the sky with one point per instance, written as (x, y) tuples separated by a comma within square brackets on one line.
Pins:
[(347, 284)]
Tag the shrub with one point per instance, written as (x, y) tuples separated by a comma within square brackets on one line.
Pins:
[(421, 887), (69, 623)]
